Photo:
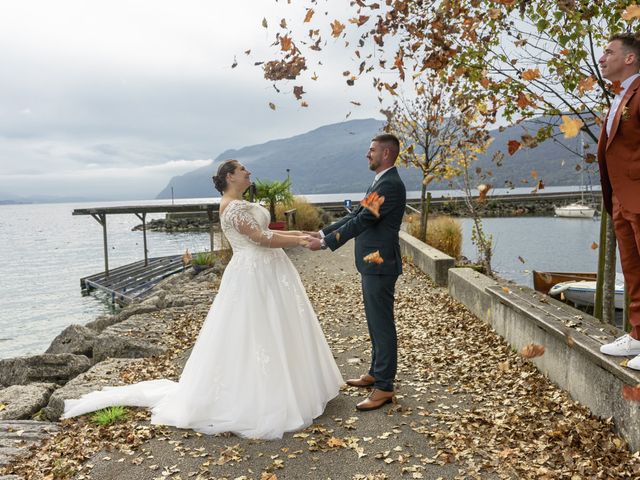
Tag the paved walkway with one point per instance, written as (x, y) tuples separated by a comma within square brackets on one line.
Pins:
[(468, 407)]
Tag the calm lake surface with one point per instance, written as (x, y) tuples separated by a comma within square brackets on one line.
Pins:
[(44, 251)]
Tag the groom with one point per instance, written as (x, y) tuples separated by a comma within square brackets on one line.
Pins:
[(376, 233)]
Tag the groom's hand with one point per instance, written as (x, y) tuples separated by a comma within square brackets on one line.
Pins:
[(314, 244), (312, 234)]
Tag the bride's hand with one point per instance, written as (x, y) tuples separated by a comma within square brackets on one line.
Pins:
[(303, 240), (312, 234)]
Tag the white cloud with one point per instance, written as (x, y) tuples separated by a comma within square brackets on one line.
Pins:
[(137, 85)]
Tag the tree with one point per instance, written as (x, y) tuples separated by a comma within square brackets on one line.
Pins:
[(428, 127)]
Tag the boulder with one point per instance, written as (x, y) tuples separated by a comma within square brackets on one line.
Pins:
[(102, 374), (74, 339), (17, 437), (22, 401), (48, 368), (115, 346), (106, 321)]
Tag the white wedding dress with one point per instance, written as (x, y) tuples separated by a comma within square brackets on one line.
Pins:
[(261, 365)]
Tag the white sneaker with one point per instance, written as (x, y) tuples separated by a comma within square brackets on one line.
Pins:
[(634, 363), (625, 345)]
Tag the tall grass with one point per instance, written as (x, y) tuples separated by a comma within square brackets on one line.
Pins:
[(443, 233), (307, 216)]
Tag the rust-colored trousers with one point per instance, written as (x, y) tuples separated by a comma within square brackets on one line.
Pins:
[(627, 227)]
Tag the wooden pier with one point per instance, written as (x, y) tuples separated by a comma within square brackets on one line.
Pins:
[(134, 281)]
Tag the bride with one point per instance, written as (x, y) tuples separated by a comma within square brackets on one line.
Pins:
[(261, 365)]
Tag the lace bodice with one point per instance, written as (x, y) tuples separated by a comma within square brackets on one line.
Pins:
[(245, 225)]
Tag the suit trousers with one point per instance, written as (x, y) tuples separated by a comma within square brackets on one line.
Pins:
[(627, 228), (378, 294)]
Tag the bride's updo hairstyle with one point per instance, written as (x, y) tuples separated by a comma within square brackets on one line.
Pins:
[(220, 178)]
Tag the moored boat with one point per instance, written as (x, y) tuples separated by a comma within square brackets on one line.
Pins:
[(543, 281), (575, 210)]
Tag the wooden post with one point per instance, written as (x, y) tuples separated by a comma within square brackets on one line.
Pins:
[(598, 307), (210, 215), (101, 218), (143, 217)]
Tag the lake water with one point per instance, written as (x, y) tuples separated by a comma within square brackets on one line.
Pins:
[(44, 251)]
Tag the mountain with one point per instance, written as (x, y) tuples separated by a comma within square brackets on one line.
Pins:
[(331, 159)]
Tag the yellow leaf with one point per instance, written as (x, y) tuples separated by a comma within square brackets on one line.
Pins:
[(570, 126), (307, 17), (631, 12), (2, 406)]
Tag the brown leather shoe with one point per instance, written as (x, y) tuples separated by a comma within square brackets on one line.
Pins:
[(364, 381), (377, 399)]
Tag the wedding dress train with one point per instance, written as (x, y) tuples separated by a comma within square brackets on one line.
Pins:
[(261, 365)]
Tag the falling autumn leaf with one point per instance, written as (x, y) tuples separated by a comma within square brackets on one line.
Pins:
[(631, 12), (264, 23), (521, 259), (586, 84), (186, 257), (272, 105), (286, 43), (540, 185), (298, 92), (631, 393), (235, 62), (304, 104), (283, 23), (534, 174), (514, 146), (531, 74), (337, 28), (594, 246), (483, 189), (374, 258), (314, 77), (570, 126), (532, 350), (589, 158), (373, 202), (307, 17)]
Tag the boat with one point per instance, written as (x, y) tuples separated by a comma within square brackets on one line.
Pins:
[(543, 281), (575, 210), (583, 293)]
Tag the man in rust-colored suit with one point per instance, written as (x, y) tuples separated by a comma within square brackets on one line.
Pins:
[(619, 159)]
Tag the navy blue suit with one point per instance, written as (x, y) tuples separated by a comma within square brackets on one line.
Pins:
[(381, 233)]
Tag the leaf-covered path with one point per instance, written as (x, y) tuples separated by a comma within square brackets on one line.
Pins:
[(468, 407)]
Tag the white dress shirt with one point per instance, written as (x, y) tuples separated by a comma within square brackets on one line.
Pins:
[(617, 100)]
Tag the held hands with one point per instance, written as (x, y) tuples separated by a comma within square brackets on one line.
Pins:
[(314, 243), (304, 240), (312, 234)]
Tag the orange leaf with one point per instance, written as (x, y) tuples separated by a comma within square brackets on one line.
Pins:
[(483, 190), (506, 290), (586, 84), (372, 202), (594, 246), (616, 87), (532, 350), (307, 17), (570, 126), (361, 20), (631, 393), (374, 258), (514, 146), (589, 158), (531, 74), (337, 28), (286, 43), (523, 100), (631, 12), (540, 185), (534, 174)]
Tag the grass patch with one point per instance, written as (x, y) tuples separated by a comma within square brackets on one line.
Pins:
[(307, 216), (109, 415), (444, 233)]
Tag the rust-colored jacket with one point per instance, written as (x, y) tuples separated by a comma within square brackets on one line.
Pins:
[(619, 153)]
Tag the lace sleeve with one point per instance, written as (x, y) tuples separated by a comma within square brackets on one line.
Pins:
[(244, 223)]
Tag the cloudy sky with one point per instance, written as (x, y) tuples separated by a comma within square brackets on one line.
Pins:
[(110, 99)]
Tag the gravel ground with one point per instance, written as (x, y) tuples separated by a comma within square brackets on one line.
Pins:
[(468, 407)]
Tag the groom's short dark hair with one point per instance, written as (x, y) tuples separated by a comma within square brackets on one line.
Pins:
[(389, 139), (630, 42)]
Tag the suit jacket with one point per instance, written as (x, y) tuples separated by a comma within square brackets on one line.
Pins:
[(373, 233), (619, 153)]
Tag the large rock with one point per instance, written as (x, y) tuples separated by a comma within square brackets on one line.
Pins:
[(22, 401), (100, 323), (48, 367), (74, 339), (100, 375), (18, 436)]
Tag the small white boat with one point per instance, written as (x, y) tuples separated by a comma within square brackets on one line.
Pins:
[(575, 210), (583, 293)]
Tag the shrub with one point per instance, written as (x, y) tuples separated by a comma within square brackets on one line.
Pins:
[(204, 258), (307, 216), (443, 233)]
